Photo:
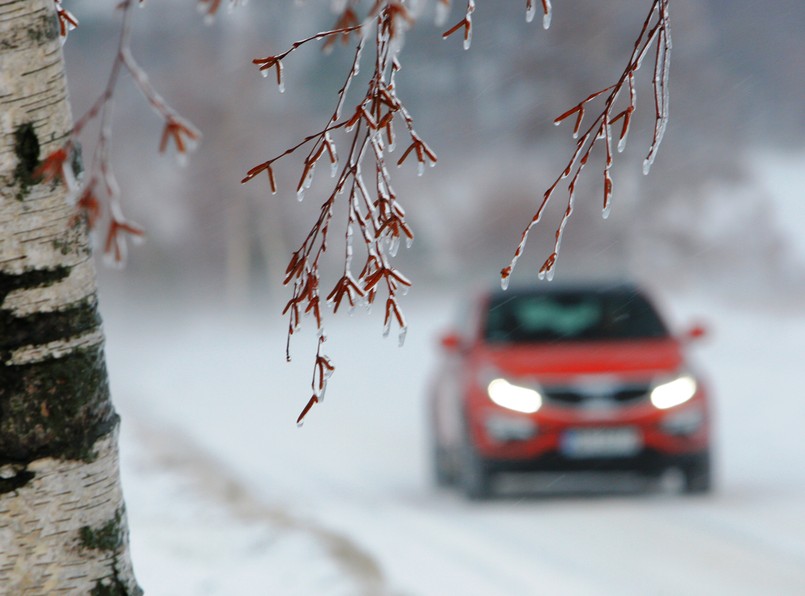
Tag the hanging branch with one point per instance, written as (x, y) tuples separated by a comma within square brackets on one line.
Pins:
[(378, 216), (100, 192), (375, 219), (655, 33)]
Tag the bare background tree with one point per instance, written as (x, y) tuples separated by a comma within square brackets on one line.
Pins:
[(502, 97)]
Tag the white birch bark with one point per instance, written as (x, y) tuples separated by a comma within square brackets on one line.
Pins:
[(62, 518)]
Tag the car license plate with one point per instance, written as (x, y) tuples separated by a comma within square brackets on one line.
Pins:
[(601, 442)]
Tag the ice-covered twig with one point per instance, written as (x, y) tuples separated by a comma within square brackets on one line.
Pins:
[(67, 21), (656, 32), (322, 371), (465, 24)]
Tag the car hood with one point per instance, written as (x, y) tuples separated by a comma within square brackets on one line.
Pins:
[(611, 357)]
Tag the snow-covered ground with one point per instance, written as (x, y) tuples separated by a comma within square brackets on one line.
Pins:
[(226, 496)]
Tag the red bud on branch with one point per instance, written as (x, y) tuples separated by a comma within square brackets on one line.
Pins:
[(183, 135), (67, 21)]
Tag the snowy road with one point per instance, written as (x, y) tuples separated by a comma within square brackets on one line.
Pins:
[(226, 496)]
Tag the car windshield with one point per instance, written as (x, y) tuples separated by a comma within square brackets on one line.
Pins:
[(571, 315)]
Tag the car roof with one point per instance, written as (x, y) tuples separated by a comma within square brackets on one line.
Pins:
[(581, 287)]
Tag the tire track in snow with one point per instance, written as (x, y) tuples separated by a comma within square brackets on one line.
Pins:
[(172, 450)]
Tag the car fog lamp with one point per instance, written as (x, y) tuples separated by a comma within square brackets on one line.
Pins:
[(684, 422), (673, 393), (505, 428), (514, 397)]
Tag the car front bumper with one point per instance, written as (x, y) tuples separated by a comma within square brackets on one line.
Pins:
[(646, 461), (641, 437)]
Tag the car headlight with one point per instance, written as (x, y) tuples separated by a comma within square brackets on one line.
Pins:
[(673, 393), (514, 397)]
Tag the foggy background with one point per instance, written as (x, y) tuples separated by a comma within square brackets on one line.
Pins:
[(226, 496), (705, 214)]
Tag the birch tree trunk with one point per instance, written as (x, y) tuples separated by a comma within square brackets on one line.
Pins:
[(62, 518)]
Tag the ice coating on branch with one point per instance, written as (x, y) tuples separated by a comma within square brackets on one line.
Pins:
[(300, 194), (661, 124), (530, 10), (606, 210), (401, 336), (280, 76), (408, 241), (350, 235), (547, 274), (309, 176), (504, 281), (546, 19), (394, 245), (319, 391), (622, 142), (468, 24)]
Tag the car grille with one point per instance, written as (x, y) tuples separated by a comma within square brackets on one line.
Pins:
[(580, 397)]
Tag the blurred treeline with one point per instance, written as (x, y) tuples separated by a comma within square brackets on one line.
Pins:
[(700, 217)]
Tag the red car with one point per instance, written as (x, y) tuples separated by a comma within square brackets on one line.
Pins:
[(566, 378)]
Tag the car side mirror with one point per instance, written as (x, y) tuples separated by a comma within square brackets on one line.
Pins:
[(696, 332), (452, 342)]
